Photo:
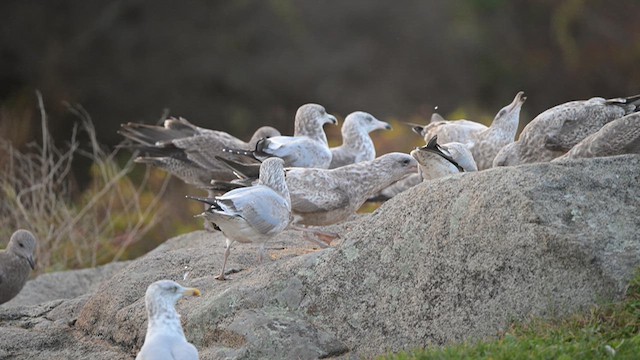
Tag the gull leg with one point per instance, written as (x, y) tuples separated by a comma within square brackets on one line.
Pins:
[(261, 253), (224, 263)]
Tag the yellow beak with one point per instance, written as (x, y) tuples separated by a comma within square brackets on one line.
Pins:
[(191, 292)]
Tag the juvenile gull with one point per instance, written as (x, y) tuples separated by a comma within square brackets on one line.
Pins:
[(252, 214), (329, 196), (307, 147), (165, 339), (186, 150), (554, 131), (621, 136), (574, 129), (483, 142), (325, 197), (436, 161), (356, 143), (16, 263)]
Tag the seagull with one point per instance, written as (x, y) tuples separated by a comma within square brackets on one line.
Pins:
[(621, 136), (554, 131), (325, 197), (329, 196), (308, 147), (436, 161), (575, 128), (356, 143), (186, 150), (165, 339), (252, 214), (483, 142), (16, 263)]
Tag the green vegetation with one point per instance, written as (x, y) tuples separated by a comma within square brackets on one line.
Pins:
[(607, 331)]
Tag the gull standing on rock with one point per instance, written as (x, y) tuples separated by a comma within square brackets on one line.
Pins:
[(621, 136), (483, 142), (356, 143), (165, 339), (436, 161), (325, 197), (308, 147), (186, 150), (252, 214), (554, 131), (16, 263), (329, 196)]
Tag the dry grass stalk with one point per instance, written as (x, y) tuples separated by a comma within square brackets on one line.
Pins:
[(75, 230)]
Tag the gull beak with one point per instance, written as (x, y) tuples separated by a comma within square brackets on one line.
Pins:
[(191, 292), (388, 127), (417, 128), (332, 119), (32, 262), (201, 199)]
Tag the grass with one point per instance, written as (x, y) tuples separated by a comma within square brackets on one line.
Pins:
[(606, 331), (76, 228)]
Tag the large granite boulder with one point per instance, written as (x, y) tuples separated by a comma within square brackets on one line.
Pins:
[(454, 259)]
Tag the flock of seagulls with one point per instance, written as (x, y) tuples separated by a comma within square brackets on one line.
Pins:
[(259, 188)]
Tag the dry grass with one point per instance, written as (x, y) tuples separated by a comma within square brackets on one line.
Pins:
[(75, 229)]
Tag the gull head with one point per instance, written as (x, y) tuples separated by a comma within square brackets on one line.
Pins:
[(314, 113), (365, 121), (398, 163), (511, 112), (164, 293), (23, 244)]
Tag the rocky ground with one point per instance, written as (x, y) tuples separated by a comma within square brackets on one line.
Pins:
[(450, 260)]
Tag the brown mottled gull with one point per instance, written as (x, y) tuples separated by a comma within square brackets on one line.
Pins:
[(252, 214), (186, 150), (165, 339), (436, 161), (621, 136), (324, 197), (307, 147), (356, 143), (554, 131), (483, 142), (329, 196), (16, 263)]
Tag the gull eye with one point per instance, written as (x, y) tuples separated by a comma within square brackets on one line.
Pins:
[(369, 119), (20, 244), (405, 161), (174, 289)]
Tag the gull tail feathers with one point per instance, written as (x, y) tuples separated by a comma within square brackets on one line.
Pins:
[(242, 171), (148, 134), (225, 186)]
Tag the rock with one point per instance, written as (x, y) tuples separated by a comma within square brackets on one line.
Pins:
[(450, 260), (63, 285)]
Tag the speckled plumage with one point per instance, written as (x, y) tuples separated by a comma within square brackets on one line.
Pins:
[(324, 197), (307, 147), (187, 151), (16, 263), (165, 338), (554, 131), (356, 145), (252, 214), (620, 136), (483, 142)]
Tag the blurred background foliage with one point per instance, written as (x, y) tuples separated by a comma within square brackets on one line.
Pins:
[(236, 65)]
